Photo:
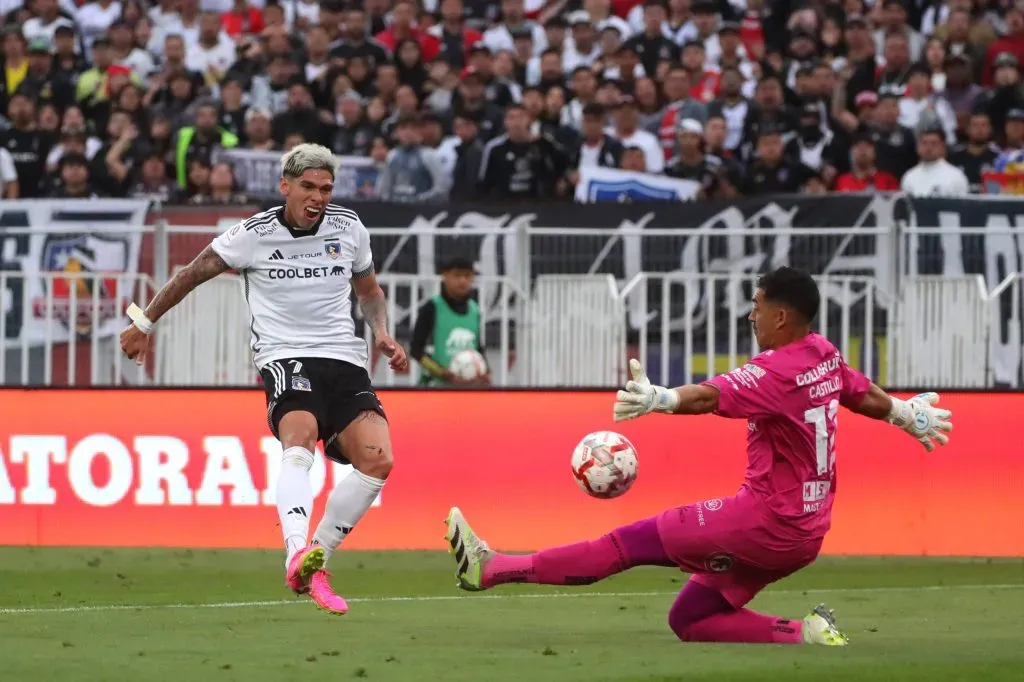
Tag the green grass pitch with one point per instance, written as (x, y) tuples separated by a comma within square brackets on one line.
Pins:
[(110, 615)]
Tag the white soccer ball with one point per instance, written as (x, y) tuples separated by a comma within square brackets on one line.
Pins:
[(468, 365), (604, 464)]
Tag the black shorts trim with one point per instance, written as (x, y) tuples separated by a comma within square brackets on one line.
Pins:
[(333, 391)]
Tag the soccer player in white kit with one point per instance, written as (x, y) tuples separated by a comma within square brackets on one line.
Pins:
[(299, 264)]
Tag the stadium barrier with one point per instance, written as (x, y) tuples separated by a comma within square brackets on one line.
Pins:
[(885, 238), (119, 468)]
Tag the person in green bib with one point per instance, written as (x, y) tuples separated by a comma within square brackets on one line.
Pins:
[(446, 324)]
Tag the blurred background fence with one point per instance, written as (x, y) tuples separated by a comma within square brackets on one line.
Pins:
[(921, 292)]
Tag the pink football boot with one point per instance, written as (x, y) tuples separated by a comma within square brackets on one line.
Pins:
[(302, 567), (324, 596)]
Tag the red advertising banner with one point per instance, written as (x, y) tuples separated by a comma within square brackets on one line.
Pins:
[(197, 469)]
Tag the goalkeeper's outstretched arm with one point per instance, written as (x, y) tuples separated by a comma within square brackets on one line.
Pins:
[(920, 416)]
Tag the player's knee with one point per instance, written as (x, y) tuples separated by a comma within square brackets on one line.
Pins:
[(681, 623), (377, 462), (298, 429)]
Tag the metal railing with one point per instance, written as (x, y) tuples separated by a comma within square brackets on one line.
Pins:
[(68, 326), (686, 324), (700, 327)]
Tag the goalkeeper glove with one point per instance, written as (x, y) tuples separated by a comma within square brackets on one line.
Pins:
[(921, 419), (641, 397)]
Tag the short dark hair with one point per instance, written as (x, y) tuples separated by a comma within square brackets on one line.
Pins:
[(793, 288), (937, 132)]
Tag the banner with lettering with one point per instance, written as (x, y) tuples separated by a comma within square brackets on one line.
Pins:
[(258, 173), (609, 184), (76, 274)]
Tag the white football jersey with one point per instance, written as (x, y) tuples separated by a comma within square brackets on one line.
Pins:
[(297, 283)]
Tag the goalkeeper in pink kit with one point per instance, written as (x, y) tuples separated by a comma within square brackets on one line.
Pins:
[(774, 525)]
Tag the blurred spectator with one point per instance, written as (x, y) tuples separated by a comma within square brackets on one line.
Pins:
[(768, 110), (960, 91), (770, 172), (1007, 91), (355, 43), (681, 105), (48, 17), (153, 182), (962, 39), (894, 22), (892, 77), (454, 35), (816, 146), (897, 150), (42, 82), (632, 160), (403, 27), (220, 188), (412, 172), (300, 116), (864, 175), (8, 176), (583, 85), (517, 165), (469, 100), (74, 178), (242, 19), (595, 148), (920, 106), (692, 163), (934, 176), (626, 129), (125, 52), (732, 107), (513, 18), (1010, 44), (935, 62), (469, 151), (814, 73), (1011, 157), (199, 141), (583, 50), (651, 45), (27, 145), (978, 154)]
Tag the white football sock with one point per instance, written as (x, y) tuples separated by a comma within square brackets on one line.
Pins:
[(295, 498), (349, 500)]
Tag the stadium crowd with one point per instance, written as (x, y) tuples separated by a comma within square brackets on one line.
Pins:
[(472, 99)]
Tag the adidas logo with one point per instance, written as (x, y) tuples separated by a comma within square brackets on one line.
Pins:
[(297, 510), (277, 255)]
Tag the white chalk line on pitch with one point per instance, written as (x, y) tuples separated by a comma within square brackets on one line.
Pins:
[(530, 595)]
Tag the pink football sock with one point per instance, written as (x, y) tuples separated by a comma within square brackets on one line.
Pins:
[(581, 563), (744, 626)]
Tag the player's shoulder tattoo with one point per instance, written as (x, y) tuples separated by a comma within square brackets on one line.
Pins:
[(263, 223)]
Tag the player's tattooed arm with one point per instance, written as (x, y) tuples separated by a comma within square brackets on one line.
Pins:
[(205, 266), (372, 304)]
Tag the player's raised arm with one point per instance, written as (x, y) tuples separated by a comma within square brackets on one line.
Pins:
[(920, 416), (641, 397), (135, 339)]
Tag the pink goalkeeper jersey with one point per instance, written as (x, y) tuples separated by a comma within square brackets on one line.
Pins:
[(791, 398)]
